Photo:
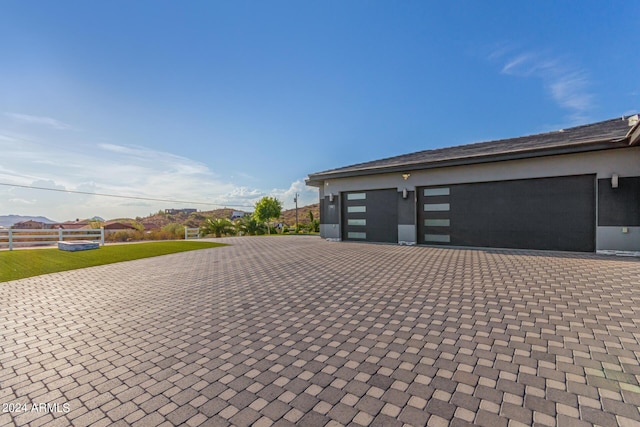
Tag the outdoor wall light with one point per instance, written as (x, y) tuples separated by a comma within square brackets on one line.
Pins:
[(406, 176), (614, 180), (405, 193)]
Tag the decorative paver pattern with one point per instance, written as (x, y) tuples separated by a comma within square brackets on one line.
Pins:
[(275, 331)]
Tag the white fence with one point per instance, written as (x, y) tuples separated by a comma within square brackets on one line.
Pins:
[(23, 237), (191, 233)]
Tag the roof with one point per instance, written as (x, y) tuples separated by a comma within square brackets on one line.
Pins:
[(150, 225), (117, 225), (72, 225), (614, 133)]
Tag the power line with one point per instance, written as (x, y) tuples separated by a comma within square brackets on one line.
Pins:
[(31, 187)]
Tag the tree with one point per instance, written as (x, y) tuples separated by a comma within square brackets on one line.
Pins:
[(267, 208), (239, 227), (217, 227)]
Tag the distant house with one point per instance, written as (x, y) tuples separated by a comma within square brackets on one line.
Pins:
[(114, 226), (237, 215), (150, 226), (29, 225), (179, 211), (72, 225)]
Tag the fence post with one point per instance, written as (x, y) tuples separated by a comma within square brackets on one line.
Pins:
[(60, 234), (10, 239), (101, 236)]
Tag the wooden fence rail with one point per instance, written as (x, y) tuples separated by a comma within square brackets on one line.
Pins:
[(25, 237)]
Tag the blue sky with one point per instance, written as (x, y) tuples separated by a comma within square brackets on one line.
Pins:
[(224, 102)]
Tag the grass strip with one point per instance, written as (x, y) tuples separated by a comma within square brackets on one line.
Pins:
[(20, 264)]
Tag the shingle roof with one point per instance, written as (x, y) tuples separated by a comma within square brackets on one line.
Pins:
[(596, 136)]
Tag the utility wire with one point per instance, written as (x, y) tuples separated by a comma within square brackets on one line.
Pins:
[(31, 187)]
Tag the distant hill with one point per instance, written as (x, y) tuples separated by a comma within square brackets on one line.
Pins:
[(8, 220), (289, 215), (195, 219)]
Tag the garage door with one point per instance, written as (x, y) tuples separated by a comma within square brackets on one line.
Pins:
[(370, 216), (545, 213)]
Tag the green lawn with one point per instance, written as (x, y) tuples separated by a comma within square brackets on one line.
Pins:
[(34, 262)]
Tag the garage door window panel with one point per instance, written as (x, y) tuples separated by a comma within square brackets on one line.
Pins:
[(437, 207), (434, 192), (356, 209)]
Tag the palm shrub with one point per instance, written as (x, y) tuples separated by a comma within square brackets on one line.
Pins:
[(250, 226), (239, 227), (217, 227)]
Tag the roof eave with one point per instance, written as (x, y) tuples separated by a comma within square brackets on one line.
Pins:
[(313, 182), (316, 180), (634, 134)]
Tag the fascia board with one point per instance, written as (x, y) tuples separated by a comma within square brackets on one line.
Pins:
[(318, 178)]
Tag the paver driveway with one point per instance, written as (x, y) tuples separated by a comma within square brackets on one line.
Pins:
[(296, 330)]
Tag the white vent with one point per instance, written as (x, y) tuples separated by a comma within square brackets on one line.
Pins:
[(633, 120)]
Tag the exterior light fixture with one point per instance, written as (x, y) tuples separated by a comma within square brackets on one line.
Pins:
[(406, 176), (614, 180)]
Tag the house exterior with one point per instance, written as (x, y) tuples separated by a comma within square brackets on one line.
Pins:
[(575, 189)]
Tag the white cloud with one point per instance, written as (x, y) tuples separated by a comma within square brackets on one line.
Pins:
[(245, 193), (570, 91), (6, 138), (515, 65), (500, 50), (39, 120), (167, 162), (306, 195), (566, 84), (121, 170), (22, 201)]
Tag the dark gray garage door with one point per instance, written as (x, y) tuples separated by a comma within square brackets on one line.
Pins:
[(370, 216), (545, 213)]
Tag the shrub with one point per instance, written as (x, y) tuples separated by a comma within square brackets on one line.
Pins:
[(217, 227)]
